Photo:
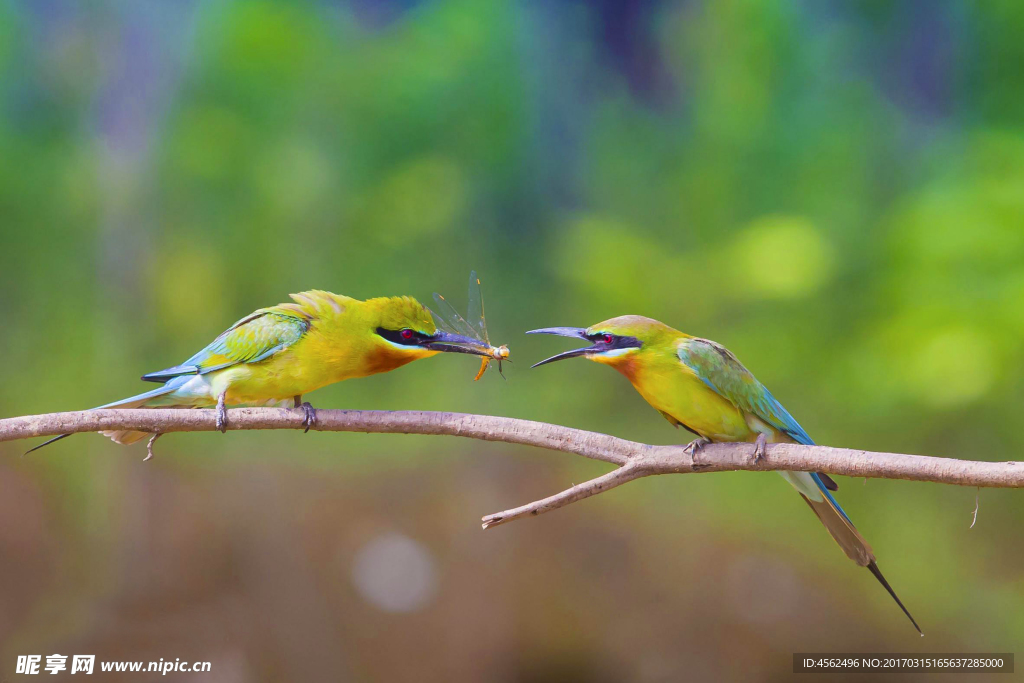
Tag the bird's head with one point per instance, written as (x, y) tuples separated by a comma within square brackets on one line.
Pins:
[(403, 330), (615, 342)]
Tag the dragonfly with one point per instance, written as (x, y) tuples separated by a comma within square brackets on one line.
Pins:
[(450, 321)]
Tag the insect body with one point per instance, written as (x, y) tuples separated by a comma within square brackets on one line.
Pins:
[(498, 353), (450, 319)]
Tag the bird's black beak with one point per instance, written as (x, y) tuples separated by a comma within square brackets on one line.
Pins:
[(577, 332), (456, 343)]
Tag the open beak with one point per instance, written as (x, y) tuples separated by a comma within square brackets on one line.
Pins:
[(456, 343), (577, 332)]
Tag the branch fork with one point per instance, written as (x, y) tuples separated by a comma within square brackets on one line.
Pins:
[(632, 460)]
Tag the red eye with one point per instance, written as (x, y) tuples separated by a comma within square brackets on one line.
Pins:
[(406, 334), (608, 339)]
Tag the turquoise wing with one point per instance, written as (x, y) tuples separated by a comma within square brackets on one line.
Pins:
[(254, 338), (718, 368)]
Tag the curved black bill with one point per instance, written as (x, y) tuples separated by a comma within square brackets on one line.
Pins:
[(562, 331), (577, 332), (456, 343)]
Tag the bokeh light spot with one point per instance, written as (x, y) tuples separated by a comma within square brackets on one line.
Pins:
[(395, 573), (422, 198), (780, 257), (955, 366)]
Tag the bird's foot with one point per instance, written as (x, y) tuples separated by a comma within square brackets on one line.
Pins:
[(222, 414), (149, 446), (759, 448), (309, 413), (693, 448)]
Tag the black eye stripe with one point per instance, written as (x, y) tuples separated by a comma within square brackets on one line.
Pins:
[(618, 342), (395, 336)]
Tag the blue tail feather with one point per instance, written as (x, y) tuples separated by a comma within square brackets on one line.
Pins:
[(138, 399), (145, 396)]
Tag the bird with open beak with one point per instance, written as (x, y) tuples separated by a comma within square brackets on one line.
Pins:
[(700, 385)]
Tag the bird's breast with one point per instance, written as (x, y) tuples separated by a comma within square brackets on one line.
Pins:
[(693, 403), (307, 365)]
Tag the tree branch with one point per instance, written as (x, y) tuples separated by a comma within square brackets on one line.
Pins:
[(633, 460), (609, 480)]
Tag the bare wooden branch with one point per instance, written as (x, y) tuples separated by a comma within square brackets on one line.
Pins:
[(633, 460), (609, 480)]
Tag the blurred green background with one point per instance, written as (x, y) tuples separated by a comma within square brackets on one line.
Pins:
[(833, 190)]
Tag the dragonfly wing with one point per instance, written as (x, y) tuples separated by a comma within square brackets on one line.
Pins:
[(450, 318), (475, 312)]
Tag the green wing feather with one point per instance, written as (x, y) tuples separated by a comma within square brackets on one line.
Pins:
[(718, 368), (254, 338)]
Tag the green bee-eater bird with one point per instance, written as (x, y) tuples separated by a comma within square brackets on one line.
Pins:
[(275, 355), (700, 385)]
